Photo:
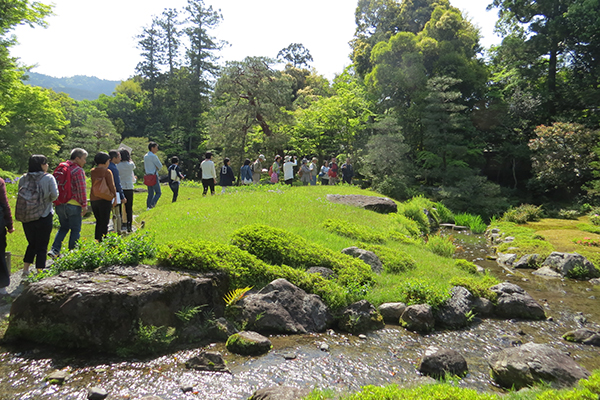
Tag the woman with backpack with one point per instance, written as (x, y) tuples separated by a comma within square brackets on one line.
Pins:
[(6, 225), (37, 191), (102, 195)]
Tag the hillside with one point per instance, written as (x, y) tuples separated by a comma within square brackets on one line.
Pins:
[(79, 87)]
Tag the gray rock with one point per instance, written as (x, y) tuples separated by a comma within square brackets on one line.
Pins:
[(452, 314), (527, 261), (221, 329), (508, 340), (483, 307), (113, 301), (547, 272), (280, 393), (438, 362), (381, 205), (583, 335), (595, 281), (207, 361), (248, 343), (281, 307), (391, 312), (361, 316), (514, 302), (58, 377), (97, 393), (505, 259), (326, 273), (418, 318), (186, 388), (324, 347), (533, 363), (565, 263), (367, 256)]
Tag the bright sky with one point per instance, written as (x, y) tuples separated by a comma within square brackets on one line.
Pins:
[(97, 38)]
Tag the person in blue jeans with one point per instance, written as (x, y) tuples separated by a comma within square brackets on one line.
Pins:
[(152, 165), (70, 214)]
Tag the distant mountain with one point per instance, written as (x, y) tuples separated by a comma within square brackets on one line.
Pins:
[(79, 87)]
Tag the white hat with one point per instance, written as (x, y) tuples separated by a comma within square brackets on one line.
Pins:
[(262, 157), (287, 158)]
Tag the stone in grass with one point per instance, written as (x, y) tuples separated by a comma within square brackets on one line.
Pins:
[(207, 361), (531, 363), (248, 343), (97, 393), (368, 257), (438, 362), (57, 377)]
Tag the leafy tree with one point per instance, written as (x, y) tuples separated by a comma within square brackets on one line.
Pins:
[(296, 54), (169, 24)]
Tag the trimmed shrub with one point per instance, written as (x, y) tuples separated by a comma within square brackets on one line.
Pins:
[(347, 229), (278, 247), (394, 261), (245, 269), (467, 266), (440, 245)]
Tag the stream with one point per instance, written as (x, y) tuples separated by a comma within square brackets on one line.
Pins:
[(387, 356)]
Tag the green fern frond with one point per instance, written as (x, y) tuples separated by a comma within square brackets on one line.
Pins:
[(236, 295)]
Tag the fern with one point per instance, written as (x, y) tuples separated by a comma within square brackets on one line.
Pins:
[(235, 295)]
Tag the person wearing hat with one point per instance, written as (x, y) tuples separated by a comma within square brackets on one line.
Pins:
[(257, 168), (313, 166), (304, 172), (288, 170)]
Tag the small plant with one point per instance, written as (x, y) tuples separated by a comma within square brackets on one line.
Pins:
[(235, 295), (474, 222), (470, 315), (579, 272), (187, 313), (149, 339), (417, 291), (440, 245)]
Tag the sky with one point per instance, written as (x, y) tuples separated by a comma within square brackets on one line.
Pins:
[(98, 38)]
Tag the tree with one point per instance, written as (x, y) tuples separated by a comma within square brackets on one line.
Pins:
[(151, 47), (296, 54), (170, 37)]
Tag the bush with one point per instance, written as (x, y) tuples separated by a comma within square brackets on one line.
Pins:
[(245, 269), (277, 246), (418, 291), (595, 219), (440, 245), (568, 214), (406, 225), (523, 214), (479, 287), (444, 214), (467, 266), (474, 222), (113, 250), (394, 261), (423, 211), (353, 231)]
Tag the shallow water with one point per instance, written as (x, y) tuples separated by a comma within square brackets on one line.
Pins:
[(386, 356)]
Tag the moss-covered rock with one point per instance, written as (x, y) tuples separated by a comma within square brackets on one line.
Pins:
[(248, 343)]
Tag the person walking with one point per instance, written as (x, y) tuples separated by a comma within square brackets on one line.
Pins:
[(333, 172), (175, 176), (304, 172), (37, 191), (209, 174), (71, 205), (276, 169), (126, 174), (313, 166), (347, 172), (102, 195), (246, 173), (257, 168), (115, 159), (152, 165), (226, 176), (324, 173), (288, 170), (6, 225)]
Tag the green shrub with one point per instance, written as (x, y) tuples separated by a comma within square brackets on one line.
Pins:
[(595, 219), (523, 214), (347, 229), (440, 245), (474, 222), (245, 269), (444, 213), (418, 291), (394, 261), (406, 225), (568, 214), (113, 250), (479, 287), (278, 247), (466, 266), (8, 176)]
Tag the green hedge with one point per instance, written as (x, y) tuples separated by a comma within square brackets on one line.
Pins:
[(279, 247), (347, 229)]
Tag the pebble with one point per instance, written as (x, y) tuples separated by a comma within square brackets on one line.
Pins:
[(324, 347), (186, 388), (58, 377), (290, 356), (97, 393), (362, 336)]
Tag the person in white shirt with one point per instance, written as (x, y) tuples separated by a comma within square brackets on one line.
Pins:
[(209, 174), (288, 170)]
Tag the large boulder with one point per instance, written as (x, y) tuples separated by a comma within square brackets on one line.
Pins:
[(360, 317), (280, 393), (453, 314), (438, 362), (381, 205), (391, 312), (367, 256), (418, 318), (571, 264), (281, 307), (533, 363), (104, 310), (248, 343), (514, 302)]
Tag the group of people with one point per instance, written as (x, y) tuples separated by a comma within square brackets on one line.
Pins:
[(309, 171)]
